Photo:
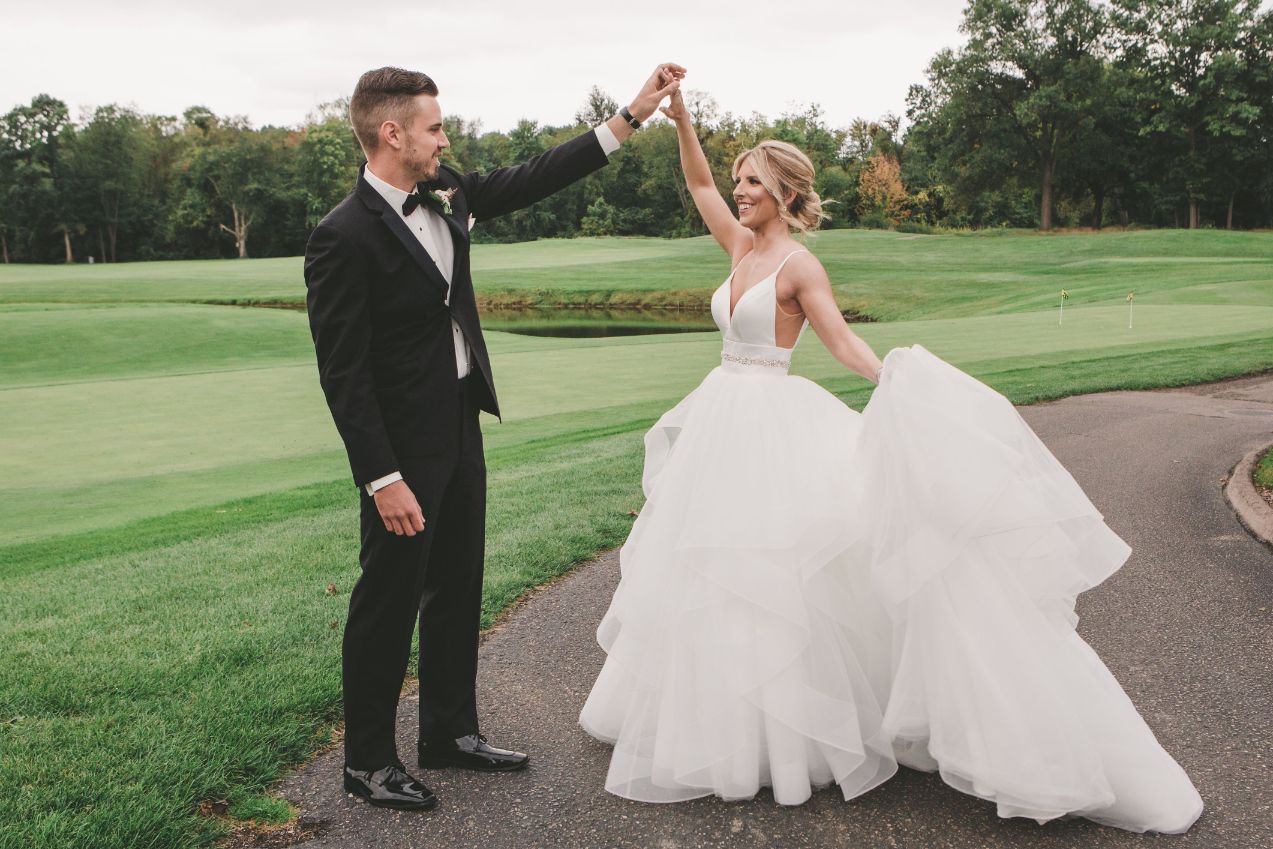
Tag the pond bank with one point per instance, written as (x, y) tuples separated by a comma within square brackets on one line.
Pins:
[(676, 307)]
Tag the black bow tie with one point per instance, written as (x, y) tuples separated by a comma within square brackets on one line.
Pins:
[(424, 196)]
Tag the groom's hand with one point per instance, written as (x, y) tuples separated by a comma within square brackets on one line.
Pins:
[(399, 509), (665, 80)]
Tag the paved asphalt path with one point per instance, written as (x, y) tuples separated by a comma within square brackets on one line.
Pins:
[(1186, 626)]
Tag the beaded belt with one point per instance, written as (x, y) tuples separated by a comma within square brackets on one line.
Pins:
[(772, 362), (766, 359)]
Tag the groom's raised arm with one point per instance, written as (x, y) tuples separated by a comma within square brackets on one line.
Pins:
[(513, 187), (516, 186)]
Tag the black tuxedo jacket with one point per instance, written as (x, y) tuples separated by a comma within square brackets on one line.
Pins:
[(381, 328)]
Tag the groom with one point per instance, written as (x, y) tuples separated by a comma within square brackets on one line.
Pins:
[(405, 370)]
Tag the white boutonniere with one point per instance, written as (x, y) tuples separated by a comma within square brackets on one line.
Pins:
[(444, 198)]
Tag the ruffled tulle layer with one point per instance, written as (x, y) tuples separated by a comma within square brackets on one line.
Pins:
[(979, 541), (733, 660), (810, 596)]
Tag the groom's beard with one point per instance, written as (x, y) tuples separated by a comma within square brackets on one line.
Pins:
[(422, 169)]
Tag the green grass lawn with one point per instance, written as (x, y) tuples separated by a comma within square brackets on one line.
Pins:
[(1262, 474), (174, 499)]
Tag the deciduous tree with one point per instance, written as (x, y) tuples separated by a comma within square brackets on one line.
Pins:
[(882, 197), (1191, 54), (1011, 99)]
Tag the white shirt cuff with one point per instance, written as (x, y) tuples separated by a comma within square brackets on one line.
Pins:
[(381, 483), (605, 136)]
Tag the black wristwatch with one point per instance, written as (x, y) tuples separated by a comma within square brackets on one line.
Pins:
[(627, 116)]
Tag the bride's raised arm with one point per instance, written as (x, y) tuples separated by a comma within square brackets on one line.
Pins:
[(732, 236)]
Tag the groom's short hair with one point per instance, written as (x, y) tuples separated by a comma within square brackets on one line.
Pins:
[(385, 94)]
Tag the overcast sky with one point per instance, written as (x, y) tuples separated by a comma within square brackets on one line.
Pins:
[(494, 60)]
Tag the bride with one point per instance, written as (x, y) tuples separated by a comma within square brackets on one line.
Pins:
[(811, 596)]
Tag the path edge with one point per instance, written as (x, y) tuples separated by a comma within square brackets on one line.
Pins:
[(1253, 512)]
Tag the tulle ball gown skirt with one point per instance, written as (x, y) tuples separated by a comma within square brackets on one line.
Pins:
[(740, 652), (811, 595)]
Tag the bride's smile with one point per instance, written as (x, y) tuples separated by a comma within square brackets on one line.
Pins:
[(755, 204)]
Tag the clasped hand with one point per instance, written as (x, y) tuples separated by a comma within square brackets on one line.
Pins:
[(664, 82)]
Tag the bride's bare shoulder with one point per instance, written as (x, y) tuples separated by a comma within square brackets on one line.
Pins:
[(806, 269)]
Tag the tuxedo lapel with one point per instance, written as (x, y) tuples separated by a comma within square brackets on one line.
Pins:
[(458, 232), (464, 311), (393, 220), (412, 244)]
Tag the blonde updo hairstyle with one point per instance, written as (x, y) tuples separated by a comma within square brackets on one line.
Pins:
[(783, 168)]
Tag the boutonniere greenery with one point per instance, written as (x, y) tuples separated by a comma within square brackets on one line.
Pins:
[(444, 198)]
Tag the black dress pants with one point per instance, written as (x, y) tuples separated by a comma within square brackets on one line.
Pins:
[(435, 577)]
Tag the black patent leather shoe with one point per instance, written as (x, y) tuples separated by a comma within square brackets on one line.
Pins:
[(390, 787), (471, 752)]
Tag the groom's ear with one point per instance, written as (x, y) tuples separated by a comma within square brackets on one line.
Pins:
[(391, 135)]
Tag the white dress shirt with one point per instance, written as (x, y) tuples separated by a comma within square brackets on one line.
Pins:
[(434, 235)]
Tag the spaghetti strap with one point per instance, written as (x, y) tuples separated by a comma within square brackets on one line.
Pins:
[(775, 275), (787, 257)]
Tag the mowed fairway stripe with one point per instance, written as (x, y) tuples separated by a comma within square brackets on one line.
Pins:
[(69, 344)]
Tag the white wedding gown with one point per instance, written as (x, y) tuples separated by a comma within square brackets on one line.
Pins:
[(811, 595)]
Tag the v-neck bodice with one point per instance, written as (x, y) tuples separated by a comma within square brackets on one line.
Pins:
[(750, 337)]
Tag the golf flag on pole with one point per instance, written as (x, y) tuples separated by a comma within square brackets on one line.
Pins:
[(1131, 299), (1064, 296)]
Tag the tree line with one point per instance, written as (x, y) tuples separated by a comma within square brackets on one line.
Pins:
[(1051, 113)]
